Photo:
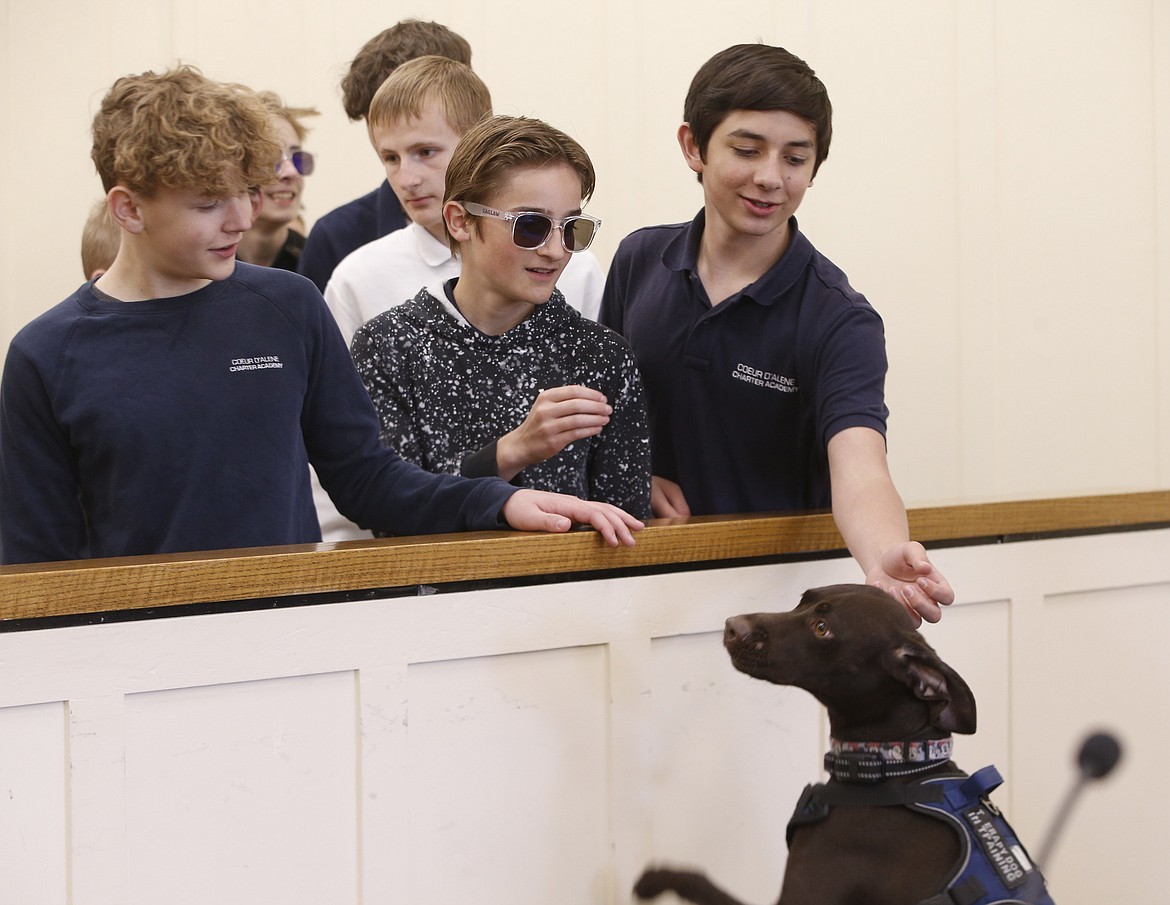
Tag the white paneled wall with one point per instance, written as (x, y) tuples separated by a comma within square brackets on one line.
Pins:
[(542, 744), (998, 183)]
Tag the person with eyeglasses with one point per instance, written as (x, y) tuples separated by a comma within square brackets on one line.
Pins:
[(176, 402), (277, 236), (491, 372)]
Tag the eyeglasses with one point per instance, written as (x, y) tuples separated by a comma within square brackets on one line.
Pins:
[(531, 230), (302, 162)]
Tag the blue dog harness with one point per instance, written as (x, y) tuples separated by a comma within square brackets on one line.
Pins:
[(993, 867)]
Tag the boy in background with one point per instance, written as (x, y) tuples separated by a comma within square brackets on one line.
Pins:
[(764, 369), (375, 214), (175, 403), (99, 241), (490, 372), (277, 236)]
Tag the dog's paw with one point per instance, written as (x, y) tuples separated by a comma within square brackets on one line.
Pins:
[(652, 883), (691, 885)]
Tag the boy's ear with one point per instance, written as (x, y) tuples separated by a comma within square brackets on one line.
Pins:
[(125, 209), (458, 221), (690, 148)]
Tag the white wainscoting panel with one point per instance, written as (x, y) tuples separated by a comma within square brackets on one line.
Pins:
[(543, 743), (34, 809), (243, 786)]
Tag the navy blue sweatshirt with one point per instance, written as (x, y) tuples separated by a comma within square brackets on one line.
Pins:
[(189, 423)]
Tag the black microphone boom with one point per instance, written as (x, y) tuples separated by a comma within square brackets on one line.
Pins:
[(1099, 754)]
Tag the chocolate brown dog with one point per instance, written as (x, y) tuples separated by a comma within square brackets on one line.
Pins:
[(898, 823)]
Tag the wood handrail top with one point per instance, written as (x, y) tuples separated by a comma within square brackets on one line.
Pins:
[(104, 585)]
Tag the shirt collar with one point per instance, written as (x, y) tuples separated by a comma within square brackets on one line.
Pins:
[(433, 252), (682, 256), (444, 294)]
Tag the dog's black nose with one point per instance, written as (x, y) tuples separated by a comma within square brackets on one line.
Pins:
[(736, 630)]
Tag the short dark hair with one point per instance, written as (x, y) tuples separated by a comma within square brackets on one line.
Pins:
[(757, 77), (385, 52)]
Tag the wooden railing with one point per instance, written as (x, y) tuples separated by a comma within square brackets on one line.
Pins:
[(94, 586)]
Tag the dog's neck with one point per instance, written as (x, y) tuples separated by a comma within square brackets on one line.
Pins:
[(870, 762)]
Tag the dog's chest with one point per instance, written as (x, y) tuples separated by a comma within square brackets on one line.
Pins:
[(869, 856)]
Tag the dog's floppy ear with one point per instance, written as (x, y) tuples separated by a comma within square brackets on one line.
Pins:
[(916, 665)]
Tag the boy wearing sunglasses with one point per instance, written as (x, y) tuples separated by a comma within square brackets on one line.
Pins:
[(491, 372), (277, 237), (764, 368), (175, 403), (415, 119)]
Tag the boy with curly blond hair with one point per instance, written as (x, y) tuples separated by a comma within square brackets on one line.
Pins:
[(175, 403)]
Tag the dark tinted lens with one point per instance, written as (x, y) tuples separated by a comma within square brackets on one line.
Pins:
[(530, 230), (578, 233), (303, 161)]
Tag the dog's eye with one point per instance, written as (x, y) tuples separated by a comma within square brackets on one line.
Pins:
[(822, 629)]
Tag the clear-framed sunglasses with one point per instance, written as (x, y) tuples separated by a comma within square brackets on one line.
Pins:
[(302, 162), (531, 230)]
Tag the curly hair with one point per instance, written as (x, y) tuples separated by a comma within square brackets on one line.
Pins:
[(385, 52), (181, 130), (293, 115), (491, 151)]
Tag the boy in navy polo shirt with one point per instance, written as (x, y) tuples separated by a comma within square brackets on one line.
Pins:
[(764, 369), (176, 402)]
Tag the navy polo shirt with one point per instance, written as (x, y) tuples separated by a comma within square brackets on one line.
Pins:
[(347, 228), (744, 396)]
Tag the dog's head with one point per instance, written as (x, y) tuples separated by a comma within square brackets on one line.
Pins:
[(855, 648)]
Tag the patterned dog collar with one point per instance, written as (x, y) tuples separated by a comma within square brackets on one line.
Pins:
[(869, 762)]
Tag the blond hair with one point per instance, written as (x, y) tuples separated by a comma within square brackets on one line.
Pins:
[(294, 115), (181, 130), (100, 238), (459, 92)]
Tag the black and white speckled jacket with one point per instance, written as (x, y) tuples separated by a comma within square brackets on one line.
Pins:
[(446, 392)]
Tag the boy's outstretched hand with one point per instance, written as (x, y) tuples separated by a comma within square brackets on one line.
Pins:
[(906, 572), (539, 510)]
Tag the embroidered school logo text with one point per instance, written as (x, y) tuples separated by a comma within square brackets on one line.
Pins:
[(765, 379), (259, 363)]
